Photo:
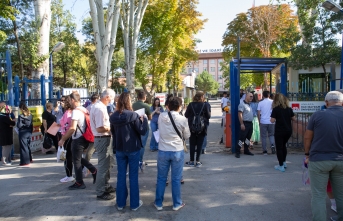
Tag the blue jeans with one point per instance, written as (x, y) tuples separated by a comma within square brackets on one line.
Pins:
[(124, 159), (153, 143), (144, 140), (204, 144), (166, 160)]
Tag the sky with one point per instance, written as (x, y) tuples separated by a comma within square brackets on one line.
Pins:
[(218, 12)]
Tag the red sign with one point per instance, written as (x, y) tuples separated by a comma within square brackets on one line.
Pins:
[(296, 106)]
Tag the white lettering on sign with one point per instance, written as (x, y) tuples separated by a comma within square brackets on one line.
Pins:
[(162, 97), (306, 106), (209, 50)]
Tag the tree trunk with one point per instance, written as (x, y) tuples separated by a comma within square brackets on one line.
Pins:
[(43, 17), (15, 32), (131, 20), (105, 37)]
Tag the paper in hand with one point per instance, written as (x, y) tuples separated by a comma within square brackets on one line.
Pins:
[(140, 112), (53, 129), (157, 135)]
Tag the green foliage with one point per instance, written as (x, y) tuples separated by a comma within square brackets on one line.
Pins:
[(320, 43), (206, 83), (166, 43), (7, 11)]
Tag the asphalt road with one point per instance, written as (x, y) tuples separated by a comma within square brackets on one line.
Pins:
[(224, 188)]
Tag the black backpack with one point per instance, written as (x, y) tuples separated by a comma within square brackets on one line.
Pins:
[(198, 123)]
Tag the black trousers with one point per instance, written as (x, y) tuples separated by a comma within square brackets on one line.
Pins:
[(25, 150), (196, 141), (281, 138), (77, 147), (68, 163), (244, 137)]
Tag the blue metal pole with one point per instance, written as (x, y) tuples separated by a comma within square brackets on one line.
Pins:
[(233, 95), (9, 78), (42, 86), (58, 94), (16, 91), (283, 83), (333, 77), (51, 90)]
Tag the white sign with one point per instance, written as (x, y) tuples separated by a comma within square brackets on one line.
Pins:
[(162, 97), (306, 106), (209, 50)]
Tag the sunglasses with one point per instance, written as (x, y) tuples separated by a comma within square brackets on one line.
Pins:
[(62, 100)]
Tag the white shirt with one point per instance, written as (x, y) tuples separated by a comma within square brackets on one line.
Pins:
[(224, 101), (99, 118), (265, 108), (169, 139), (79, 116)]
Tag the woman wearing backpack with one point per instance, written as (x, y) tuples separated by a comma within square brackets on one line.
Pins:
[(198, 114)]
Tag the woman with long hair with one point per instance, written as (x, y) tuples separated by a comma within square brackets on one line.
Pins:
[(6, 134), (127, 127), (25, 128), (48, 120), (156, 109), (197, 108), (171, 153), (65, 125), (255, 137), (282, 115)]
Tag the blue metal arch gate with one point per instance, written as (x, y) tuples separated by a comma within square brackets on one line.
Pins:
[(251, 65)]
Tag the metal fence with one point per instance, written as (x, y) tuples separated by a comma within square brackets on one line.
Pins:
[(299, 126)]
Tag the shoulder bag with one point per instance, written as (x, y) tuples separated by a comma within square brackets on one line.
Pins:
[(178, 132)]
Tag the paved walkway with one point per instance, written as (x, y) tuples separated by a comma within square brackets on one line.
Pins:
[(224, 188)]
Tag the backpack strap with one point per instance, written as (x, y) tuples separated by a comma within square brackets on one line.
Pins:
[(200, 110), (78, 127), (175, 128)]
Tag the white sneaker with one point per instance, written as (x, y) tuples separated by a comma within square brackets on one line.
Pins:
[(334, 208), (140, 204), (67, 179)]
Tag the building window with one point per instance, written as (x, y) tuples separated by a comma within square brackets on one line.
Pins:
[(214, 77), (196, 70), (220, 85), (212, 61), (213, 69), (204, 61), (220, 60), (190, 70), (205, 69), (220, 76)]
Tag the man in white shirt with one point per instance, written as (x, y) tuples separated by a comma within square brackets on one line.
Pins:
[(79, 143), (100, 124), (224, 101), (264, 110)]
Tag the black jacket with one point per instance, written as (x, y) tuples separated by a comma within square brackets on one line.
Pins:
[(25, 123), (206, 113), (127, 128), (6, 130)]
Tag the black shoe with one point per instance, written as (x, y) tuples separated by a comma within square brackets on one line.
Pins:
[(110, 189), (105, 196), (50, 152), (94, 176), (77, 186), (203, 151), (249, 153), (237, 155), (273, 149)]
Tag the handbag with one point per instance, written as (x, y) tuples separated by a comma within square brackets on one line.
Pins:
[(47, 142), (178, 132)]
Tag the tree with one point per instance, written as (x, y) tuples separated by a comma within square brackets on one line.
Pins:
[(43, 19), (105, 32), (320, 44), (206, 83), (63, 30), (131, 20), (7, 12), (166, 43), (265, 31)]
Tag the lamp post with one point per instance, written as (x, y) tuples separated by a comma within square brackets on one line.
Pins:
[(332, 6), (59, 46)]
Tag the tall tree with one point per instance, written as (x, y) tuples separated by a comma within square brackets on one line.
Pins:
[(7, 12), (131, 20), (265, 31), (43, 19), (206, 83), (166, 43), (105, 32)]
